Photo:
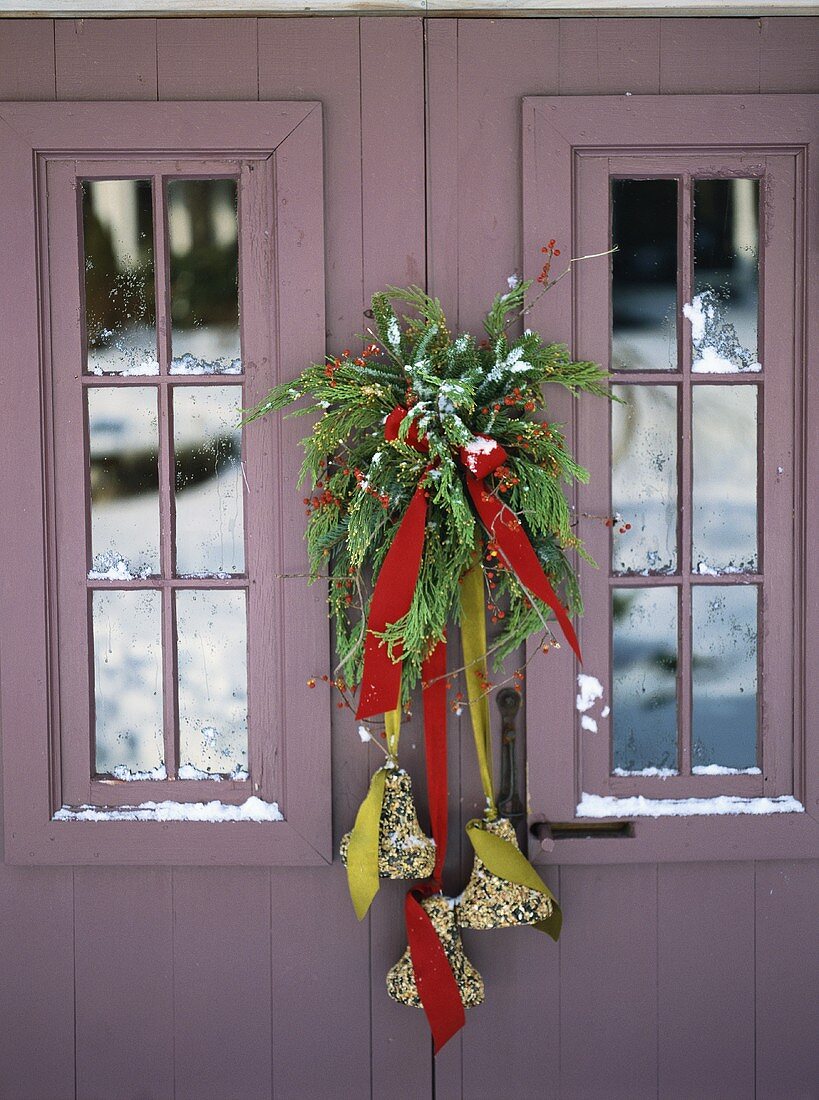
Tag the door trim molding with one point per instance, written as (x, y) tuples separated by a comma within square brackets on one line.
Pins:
[(77, 9)]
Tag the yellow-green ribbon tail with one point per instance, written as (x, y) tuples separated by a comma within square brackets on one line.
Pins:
[(473, 639), (362, 849), (508, 862), (392, 723)]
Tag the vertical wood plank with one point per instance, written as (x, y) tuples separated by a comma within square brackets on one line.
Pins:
[(609, 56), (486, 180), (394, 253), (709, 55), (705, 925), (401, 1044), (320, 954), (489, 148), (105, 58), (392, 150), (221, 974), (787, 999), (608, 982), (512, 1042), (321, 1010), (27, 59), (789, 52), (319, 59), (124, 982), (207, 59), (37, 986), (442, 163)]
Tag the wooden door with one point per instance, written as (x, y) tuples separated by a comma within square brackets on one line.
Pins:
[(672, 978)]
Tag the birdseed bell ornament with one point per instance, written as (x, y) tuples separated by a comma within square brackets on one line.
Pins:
[(437, 496)]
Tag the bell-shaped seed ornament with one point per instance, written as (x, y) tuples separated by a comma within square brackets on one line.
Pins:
[(401, 977), (404, 851), (490, 901)]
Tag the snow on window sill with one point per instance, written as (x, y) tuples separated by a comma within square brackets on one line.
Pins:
[(595, 805), (253, 809), (719, 769)]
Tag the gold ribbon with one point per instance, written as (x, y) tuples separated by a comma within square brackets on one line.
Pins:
[(362, 847), (473, 639)]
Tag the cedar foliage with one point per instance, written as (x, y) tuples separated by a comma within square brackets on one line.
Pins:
[(454, 390)]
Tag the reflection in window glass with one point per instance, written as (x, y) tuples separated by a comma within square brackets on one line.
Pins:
[(644, 680), (212, 652), (209, 482), (724, 669), (723, 314), (644, 274), (123, 441), (128, 684), (644, 479), (119, 277), (203, 234), (724, 514)]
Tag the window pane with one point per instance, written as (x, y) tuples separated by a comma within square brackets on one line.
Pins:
[(203, 232), (123, 440), (209, 482), (119, 276), (724, 520), (644, 479), (128, 684), (723, 314), (644, 675), (644, 274), (212, 648), (724, 668)]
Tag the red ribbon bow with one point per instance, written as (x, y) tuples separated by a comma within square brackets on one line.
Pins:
[(381, 679), (381, 686)]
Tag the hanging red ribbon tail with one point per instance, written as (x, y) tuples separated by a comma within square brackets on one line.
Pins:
[(436, 984), (394, 589), (506, 529)]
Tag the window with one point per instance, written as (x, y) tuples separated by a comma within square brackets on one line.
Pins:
[(178, 287), (693, 510)]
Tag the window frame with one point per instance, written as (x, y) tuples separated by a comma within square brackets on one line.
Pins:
[(567, 144), (46, 147)]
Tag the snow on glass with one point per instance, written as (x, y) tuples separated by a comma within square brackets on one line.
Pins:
[(208, 480), (211, 632), (123, 438), (644, 479), (644, 678), (723, 311), (119, 277), (203, 236)]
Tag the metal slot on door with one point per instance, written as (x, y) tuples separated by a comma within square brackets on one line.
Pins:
[(548, 832)]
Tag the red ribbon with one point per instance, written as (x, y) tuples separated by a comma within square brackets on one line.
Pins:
[(507, 531), (434, 979), (381, 678)]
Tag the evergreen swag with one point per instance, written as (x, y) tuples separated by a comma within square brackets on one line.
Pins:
[(454, 390)]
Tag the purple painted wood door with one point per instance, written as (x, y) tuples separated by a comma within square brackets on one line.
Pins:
[(672, 978)]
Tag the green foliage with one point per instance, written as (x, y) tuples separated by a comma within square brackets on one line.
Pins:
[(452, 389)]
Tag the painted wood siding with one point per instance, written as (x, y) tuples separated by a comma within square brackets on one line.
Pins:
[(675, 980)]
